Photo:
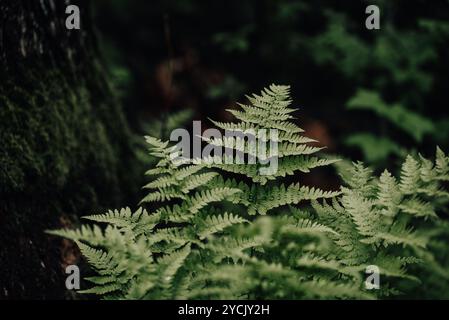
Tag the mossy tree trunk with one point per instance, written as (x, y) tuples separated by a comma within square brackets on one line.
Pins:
[(65, 145)]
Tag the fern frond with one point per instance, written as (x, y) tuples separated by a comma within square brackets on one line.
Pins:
[(409, 176), (197, 181), (269, 198), (214, 224), (139, 221), (163, 195), (170, 264), (203, 198), (418, 207), (233, 248), (303, 226), (388, 196)]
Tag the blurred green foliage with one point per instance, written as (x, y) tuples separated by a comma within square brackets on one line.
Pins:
[(408, 121), (322, 48)]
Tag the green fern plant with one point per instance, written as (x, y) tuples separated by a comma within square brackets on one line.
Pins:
[(382, 213), (207, 234), (324, 252), (271, 110), (169, 233)]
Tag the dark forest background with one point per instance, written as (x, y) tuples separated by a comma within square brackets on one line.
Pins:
[(74, 104)]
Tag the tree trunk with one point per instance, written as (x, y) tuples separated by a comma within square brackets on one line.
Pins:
[(65, 145)]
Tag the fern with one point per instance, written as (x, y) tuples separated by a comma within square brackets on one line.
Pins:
[(382, 214), (203, 234), (270, 110), (169, 231)]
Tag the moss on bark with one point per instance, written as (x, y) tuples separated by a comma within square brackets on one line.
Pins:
[(65, 145)]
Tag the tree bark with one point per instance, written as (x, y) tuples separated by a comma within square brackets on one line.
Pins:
[(65, 145)]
